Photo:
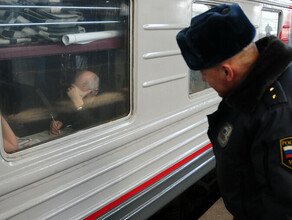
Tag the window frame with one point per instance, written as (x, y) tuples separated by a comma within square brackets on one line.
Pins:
[(207, 87), (273, 10), (39, 150)]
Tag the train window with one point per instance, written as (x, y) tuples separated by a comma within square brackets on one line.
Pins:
[(195, 80), (196, 83), (64, 64), (198, 8), (269, 23), (290, 34)]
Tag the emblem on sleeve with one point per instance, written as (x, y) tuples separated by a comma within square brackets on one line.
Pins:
[(286, 152), (224, 135)]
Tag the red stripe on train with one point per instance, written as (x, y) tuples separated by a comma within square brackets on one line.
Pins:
[(146, 184)]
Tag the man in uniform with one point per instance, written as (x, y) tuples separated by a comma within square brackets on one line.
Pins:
[(251, 131)]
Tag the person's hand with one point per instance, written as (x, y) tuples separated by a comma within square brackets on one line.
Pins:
[(55, 127), (76, 95)]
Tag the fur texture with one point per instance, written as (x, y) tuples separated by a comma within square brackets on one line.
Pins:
[(215, 36), (275, 57)]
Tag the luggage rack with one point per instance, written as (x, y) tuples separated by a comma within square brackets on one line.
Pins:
[(51, 46), (54, 49)]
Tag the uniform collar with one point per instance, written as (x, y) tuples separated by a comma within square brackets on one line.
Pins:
[(275, 57)]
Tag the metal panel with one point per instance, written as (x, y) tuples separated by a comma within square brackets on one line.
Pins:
[(150, 200)]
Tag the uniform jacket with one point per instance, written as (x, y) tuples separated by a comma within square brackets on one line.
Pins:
[(251, 133)]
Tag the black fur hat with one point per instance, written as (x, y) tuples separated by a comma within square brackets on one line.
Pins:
[(215, 36)]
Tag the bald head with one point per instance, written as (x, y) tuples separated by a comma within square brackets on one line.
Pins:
[(244, 60), (227, 75), (87, 81)]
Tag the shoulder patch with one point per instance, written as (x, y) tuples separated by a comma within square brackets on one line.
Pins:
[(286, 152), (275, 95), (224, 135)]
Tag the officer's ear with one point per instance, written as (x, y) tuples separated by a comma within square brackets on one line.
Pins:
[(229, 74)]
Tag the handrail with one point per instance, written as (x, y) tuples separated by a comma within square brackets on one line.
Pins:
[(58, 6), (58, 23)]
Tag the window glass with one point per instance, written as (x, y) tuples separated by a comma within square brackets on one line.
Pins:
[(195, 80), (196, 83), (269, 23), (289, 31), (286, 31), (290, 35), (63, 63), (198, 8)]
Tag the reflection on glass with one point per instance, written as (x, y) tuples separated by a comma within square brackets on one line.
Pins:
[(195, 80), (269, 23), (290, 34), (196, 83), (198, 8), (64, 66)]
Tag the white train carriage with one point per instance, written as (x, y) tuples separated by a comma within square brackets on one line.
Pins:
[(139, 138)]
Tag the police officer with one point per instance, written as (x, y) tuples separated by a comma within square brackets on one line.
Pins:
[(251, 131)]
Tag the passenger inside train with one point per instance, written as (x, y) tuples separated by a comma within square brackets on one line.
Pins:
[(39, 62), (82, 94), (9, 139)]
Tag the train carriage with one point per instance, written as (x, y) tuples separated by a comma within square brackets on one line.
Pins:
[(139, 138)]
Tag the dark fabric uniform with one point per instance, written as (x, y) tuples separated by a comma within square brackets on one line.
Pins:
[(254, 174)]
